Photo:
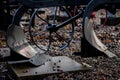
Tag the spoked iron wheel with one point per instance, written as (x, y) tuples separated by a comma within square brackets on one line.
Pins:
[(44, 31)]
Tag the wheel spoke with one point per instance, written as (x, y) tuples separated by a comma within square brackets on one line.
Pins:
[(41, 18), (60, 37)]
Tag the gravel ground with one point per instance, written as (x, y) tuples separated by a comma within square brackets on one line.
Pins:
[(102, 68)]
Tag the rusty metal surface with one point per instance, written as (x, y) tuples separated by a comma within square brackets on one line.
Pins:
[(54, 65), (16, 40), (89, 32), (93, 39)]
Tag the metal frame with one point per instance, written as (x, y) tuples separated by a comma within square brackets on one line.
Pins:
[(52, 64), (41, 63), (46, 3)]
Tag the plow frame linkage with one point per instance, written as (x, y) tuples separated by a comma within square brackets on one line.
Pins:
[(46, 64)]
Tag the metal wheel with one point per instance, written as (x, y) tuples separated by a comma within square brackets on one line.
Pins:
[(43, 28)]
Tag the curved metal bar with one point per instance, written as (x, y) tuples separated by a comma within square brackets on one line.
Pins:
[(16, 38), (52, 3), (89, 32), (18, 14), (30, 32), (35, 13)]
